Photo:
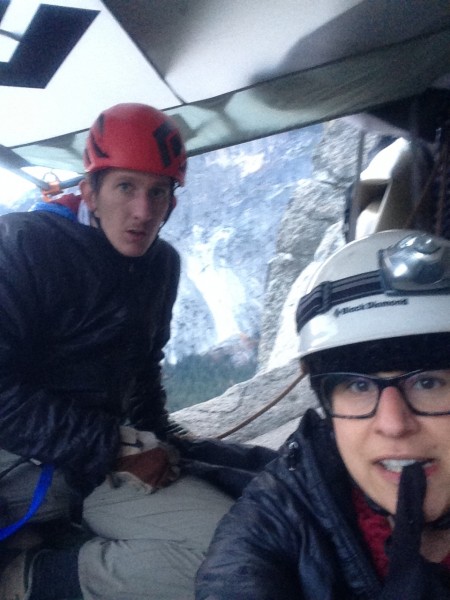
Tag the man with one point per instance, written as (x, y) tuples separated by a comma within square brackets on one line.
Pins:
[(85, 314), (358, 505)]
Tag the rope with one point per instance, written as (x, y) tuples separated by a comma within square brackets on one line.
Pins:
[(424, 195), (439, 176), (441, 204), (264, 409), (45, 479)]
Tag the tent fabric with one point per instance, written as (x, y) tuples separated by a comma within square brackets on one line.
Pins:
[(228, 72)]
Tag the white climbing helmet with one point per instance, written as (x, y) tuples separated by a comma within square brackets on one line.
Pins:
[(390, 284)]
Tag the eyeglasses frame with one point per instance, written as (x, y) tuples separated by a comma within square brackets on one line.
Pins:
[(382, 383)]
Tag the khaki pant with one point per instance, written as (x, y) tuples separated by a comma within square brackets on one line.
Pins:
[(145, 545)]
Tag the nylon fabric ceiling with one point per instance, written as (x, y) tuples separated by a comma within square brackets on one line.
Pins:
[(227, 71)]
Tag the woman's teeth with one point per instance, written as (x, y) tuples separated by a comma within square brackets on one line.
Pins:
[(396, 465)]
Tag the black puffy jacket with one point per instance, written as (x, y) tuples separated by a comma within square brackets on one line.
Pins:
[(293, 534), (81, 335), (286, 537)]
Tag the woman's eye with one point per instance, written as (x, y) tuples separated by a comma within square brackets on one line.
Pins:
[(427, 383), (359, 385)]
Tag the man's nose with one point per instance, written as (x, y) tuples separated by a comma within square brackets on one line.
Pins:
[(142, 207), (393, 416)]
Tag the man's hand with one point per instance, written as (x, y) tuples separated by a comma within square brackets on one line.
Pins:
[(133, 441), (155, 467), (145, 461)]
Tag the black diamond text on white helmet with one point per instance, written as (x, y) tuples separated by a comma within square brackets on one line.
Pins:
[(390, 284)]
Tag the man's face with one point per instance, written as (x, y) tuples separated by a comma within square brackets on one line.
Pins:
[(374, 450), (131, 207)]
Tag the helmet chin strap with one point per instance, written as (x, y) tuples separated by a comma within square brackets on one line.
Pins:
[(93, 217), (442, 522), (173, 203)]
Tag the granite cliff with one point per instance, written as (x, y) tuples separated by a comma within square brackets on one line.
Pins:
[(251, 219)]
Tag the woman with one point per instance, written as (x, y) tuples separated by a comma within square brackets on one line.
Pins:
[(358, 504)]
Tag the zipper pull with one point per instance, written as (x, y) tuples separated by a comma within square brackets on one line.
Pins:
[(292, 456)]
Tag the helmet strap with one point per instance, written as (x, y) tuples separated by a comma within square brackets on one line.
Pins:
[(93, 218), (442, 522), (172, 204)]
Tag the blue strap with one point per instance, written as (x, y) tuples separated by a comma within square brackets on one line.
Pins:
[(54, 207), (42, 486)]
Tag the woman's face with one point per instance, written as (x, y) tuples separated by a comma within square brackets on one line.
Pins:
[(375, 449)]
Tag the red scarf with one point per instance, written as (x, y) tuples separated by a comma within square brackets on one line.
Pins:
[(376, 530)]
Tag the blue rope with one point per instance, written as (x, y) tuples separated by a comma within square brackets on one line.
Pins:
[(42, 486)]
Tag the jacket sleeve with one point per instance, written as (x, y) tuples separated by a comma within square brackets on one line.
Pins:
[(146, 408), (34, 422), (227, 465), (253, 553)]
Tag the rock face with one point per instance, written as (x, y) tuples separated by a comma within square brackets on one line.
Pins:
[(313, 209), (226, 238), (218, 416), (317, 204), (285, 341), (243, 247), (310, 230)]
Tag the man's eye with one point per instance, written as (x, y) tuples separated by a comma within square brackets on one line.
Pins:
[(158, 193), (125, 186)]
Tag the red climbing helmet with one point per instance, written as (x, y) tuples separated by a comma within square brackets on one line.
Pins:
[(137, 137)]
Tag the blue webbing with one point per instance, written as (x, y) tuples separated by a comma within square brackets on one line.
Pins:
[(42, 486)]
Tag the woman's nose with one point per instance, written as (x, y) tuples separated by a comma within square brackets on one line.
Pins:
[(393, 416)]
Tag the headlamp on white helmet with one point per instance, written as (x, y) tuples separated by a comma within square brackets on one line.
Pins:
[(390, 284)]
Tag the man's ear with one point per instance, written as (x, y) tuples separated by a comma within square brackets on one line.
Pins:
[(88, 195)]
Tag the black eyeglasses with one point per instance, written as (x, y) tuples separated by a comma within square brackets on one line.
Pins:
[(356, 396)]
